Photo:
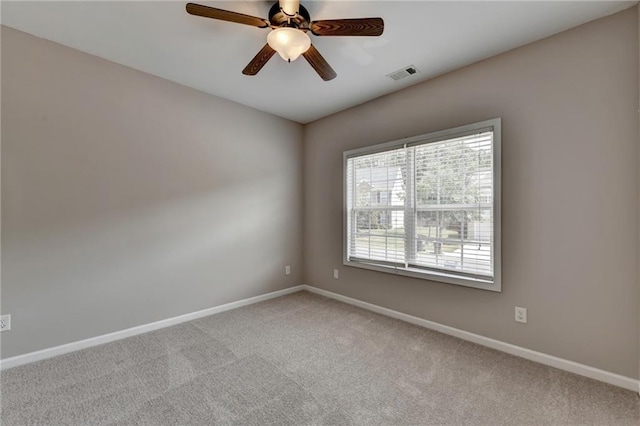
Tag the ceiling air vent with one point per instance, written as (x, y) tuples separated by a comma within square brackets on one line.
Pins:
[(403, 73)]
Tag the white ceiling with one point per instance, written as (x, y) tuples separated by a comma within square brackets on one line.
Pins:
[(160, 38)]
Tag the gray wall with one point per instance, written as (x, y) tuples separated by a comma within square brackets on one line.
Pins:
[(128, 199), (569, 108)]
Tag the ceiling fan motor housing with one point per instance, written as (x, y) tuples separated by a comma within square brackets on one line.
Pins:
[(279, 19)]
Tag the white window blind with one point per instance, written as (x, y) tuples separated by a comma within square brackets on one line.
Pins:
[(427, 206)]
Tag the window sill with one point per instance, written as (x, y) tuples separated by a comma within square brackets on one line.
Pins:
[(489, 285)]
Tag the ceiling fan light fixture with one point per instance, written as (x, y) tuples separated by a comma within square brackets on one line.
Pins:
[(290, 37), (289, 42)]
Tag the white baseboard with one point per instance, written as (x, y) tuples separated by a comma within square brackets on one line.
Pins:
[(550, 360), (145, 328)]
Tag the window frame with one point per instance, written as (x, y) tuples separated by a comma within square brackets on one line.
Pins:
[(428, 274)]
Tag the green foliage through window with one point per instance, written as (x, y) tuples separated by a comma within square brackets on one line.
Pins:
[(425, 205)]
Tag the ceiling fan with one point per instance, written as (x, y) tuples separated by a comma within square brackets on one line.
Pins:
[(290, 22)]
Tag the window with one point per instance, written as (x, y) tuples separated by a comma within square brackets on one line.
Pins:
[(427, 206)]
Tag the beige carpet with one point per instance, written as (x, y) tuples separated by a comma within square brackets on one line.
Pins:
[(303, 360)]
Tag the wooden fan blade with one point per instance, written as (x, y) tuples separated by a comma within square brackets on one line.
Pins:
[(226, 15), (317, 61), (258, 62), (348, 27)]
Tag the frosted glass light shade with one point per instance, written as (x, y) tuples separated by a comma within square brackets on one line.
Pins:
[(289, 42)]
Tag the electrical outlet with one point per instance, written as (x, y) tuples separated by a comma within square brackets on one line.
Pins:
[(521, 314), (287, 270), (5, 322), (336, 274)]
